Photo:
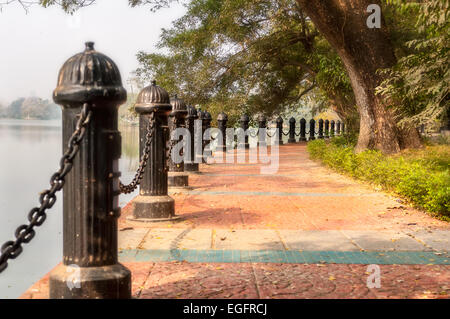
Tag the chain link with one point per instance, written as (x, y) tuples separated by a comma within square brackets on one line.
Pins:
[(270, 136), (37, 216), (128, 189), (253, 134)]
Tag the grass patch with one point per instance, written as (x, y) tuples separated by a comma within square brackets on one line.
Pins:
[(422, 177)]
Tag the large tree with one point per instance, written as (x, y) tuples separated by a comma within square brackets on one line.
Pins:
[(363, 51)]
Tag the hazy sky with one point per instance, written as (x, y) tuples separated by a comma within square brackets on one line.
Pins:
[(34, 45)]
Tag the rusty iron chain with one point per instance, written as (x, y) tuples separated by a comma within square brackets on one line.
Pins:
[(37, 216), (253, 134), (169, 148), (128, 189), (270, 136)]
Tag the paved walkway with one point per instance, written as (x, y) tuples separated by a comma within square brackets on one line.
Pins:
[(304, 232)]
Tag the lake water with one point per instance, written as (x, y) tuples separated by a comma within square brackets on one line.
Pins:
[(29, 155)]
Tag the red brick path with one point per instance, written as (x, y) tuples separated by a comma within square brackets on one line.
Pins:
[(297, 174), (221, 281)]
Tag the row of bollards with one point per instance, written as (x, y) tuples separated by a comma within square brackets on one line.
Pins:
[(90, 267)]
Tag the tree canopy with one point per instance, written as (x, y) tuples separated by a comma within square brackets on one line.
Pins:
[(265, 56)]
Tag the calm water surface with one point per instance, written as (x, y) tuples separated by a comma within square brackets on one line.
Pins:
[(29, 155)]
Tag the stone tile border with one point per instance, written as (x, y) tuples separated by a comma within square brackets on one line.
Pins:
[(285, 256)]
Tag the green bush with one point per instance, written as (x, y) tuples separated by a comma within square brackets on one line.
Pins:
[(420, 176)]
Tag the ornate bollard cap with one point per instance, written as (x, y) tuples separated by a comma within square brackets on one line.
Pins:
[(222, 117), (89, 76), (292, 120), (244, 118), (191, 112), (303, 120), (153, 98), (200, 114), (179, 108), (261, 118), (279, 119), (207, 116)]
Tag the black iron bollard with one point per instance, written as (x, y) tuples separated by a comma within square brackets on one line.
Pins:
[(321, 129), (291, 130), (279, 122), (153, 202), (177, 178), (332, 128), (207, 119), (222, 120), (191, 166), (91, 191), (338, 127), (244, 121), (198, 136), (327, 128), (343, 127), (262, 124), (303, 130), (312, 129)]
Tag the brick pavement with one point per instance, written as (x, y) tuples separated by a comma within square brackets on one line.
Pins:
[(303, 208)]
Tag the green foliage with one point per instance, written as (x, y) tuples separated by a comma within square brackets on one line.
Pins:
[(247, 55), (32, 108), (420, 176), (419, 83)]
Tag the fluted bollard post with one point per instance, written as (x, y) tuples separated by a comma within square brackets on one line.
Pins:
[(332, 124), (244, 121), (262, 124), (153, 203), (321, 129), (177, 178), (303, 130), (312, 129), (338, 127), (327, 128), (222, 120), (191, 166), (279, 122), (207, 119), (291, 130), (198, 136), (91, 189)]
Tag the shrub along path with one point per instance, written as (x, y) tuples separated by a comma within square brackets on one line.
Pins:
[(304, 232)]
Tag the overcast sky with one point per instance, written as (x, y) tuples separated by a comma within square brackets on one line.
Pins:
[(34, 45)]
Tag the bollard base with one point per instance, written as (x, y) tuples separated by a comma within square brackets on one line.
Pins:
[(107, 282), (153, 207), (178, 179), (292, 141), (178, 190), (191, 168)]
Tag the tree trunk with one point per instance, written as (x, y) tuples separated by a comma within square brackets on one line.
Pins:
[(363, 52)]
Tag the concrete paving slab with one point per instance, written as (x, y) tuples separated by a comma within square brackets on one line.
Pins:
[(247, 240), (164, 238), (384, 241), (437, 239), (130, 238), (329, 240), (197, 239)]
